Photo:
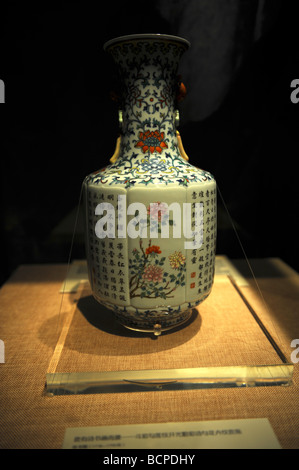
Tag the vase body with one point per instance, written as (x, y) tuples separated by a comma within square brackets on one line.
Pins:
[(150, 215)]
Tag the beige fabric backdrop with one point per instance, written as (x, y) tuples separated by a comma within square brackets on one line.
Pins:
[(30, 326)]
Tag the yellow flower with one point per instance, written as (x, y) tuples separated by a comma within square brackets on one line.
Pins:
[(177, 259)]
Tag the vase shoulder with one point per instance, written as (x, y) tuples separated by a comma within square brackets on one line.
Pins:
[(150, 171)]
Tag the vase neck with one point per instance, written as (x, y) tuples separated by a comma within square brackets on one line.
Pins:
[(149, 108), (149, 83)]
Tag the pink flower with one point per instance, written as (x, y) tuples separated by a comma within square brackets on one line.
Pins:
[(153, 273), (159, 209)]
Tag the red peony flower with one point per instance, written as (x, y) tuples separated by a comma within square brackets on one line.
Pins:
[(151, 141), (151, 249)]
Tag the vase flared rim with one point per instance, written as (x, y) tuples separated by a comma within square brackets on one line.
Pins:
[(150, 37)]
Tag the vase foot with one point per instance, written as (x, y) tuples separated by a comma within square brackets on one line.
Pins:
[(157, 329)]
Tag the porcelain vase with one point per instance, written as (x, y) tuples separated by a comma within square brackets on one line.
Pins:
[(150, 214)]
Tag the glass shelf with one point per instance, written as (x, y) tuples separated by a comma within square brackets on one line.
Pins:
[(224, 344)]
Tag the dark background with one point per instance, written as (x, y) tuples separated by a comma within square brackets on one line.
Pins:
[(58, 123)]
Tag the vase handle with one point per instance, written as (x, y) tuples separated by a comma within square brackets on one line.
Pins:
[(116, 151), (181, 148)]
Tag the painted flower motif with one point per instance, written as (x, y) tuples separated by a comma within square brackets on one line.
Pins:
[(157, 211), (135, 96), (153, 249), (176, 260), (153, 273), (151, 141), (153, 165)]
